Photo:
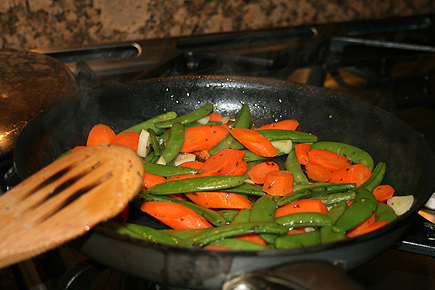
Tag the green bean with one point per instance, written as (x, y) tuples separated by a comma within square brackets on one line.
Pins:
[(232, 230), (246, 188), (376, 178), (150, 123), (294, 136), (385, 213), (304, 219), (169, 170), (355, 154), (175, 142), (204, 183), (292, 164), (239, 244), (210, 215), (333, 198), (298, 240), (188, 118), (327, 235)]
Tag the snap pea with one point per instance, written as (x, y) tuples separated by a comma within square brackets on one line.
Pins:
[(188, 118), (385, 213), (246, 188), (175, 142), (263, 209), (183, 234), (242, 216), (169, 170), (362, 207), (317, 190), (355, 154), (292, 164), (251, 157), (154, 142), (376, 178), (333, 198), (239, 244), (232, 230), (294, 136), (243, 120), (327, 235), (228, 214), (204, 183), (150, 123), (210, 215), (298, 240), (304, 219)]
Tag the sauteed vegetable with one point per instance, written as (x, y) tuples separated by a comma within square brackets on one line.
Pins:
[(222, 184)]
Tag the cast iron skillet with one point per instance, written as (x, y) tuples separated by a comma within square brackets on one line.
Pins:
[(327, 114)]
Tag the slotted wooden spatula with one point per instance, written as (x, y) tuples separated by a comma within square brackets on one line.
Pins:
[(66, 199)]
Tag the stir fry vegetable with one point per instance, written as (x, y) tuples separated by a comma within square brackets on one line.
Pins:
[(225, 185)]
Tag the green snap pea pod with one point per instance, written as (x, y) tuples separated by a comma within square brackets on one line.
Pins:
[(298, 240), (355, 154), (150, 123), (232, 230), (299, 186), (239, 244), (251, 157), (243, 120), (385, 213), (183, 234), (196, 124), (294, 136), (175, 142), (376, 178), (169, 170), (228, 214), (154, 142), (188, 118), (333, 198), (327, 235), (263, 209), (204, 183), (210, 215), (292, 164), (246, 188), (64, 154), (312, 191), (242, 216), (362, 207), (304, 219)]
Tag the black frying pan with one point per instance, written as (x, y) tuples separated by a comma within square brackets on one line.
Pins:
[(327, 114)]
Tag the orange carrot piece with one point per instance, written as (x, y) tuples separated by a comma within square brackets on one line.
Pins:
[(252, 238), (216, 199), (183, 176), (77, 148), (383, 192), (128, 139), (317, 172), (362, 228), (254, 142), (222, 162), (371, 228), (177, 196), (175, 215), (217, 247), (149, 180), (293, 231), (240, 168), (356, 173), (202, 154), (283, 125), (215, 117), (302, 205), (202, 138), (279, 183), (301, 151), (328, 159), (192, 164), (100, 135), (259, 171), (123, 215)]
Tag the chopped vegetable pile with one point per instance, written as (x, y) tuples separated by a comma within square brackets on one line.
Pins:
[(220, 184)]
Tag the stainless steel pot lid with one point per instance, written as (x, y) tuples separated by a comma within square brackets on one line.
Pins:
[(29, 84)]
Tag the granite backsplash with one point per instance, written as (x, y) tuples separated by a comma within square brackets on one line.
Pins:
[(27, 24)]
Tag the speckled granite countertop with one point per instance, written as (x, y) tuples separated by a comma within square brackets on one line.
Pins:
[(30, 24)]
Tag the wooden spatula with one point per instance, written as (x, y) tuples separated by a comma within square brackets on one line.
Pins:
[(66, 199)]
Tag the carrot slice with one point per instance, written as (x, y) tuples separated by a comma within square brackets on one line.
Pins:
[(222, 162), (302, 205), (192, 164), (252, 238), (254, 142), (215, 117), (202, 154), (217, 247), (356, 173), (128, 139), (100, 135), (383, 192), (328, 159), (240, 168), (202, 138), (175, 215), (293, 231), (279, 183), (149, 180), (365, 227), (283, 125), (259, 171), (216, 199), (371, 228), (301, 151), (317, 172)]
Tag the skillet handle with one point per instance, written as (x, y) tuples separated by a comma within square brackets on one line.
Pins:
[(299, 276)]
